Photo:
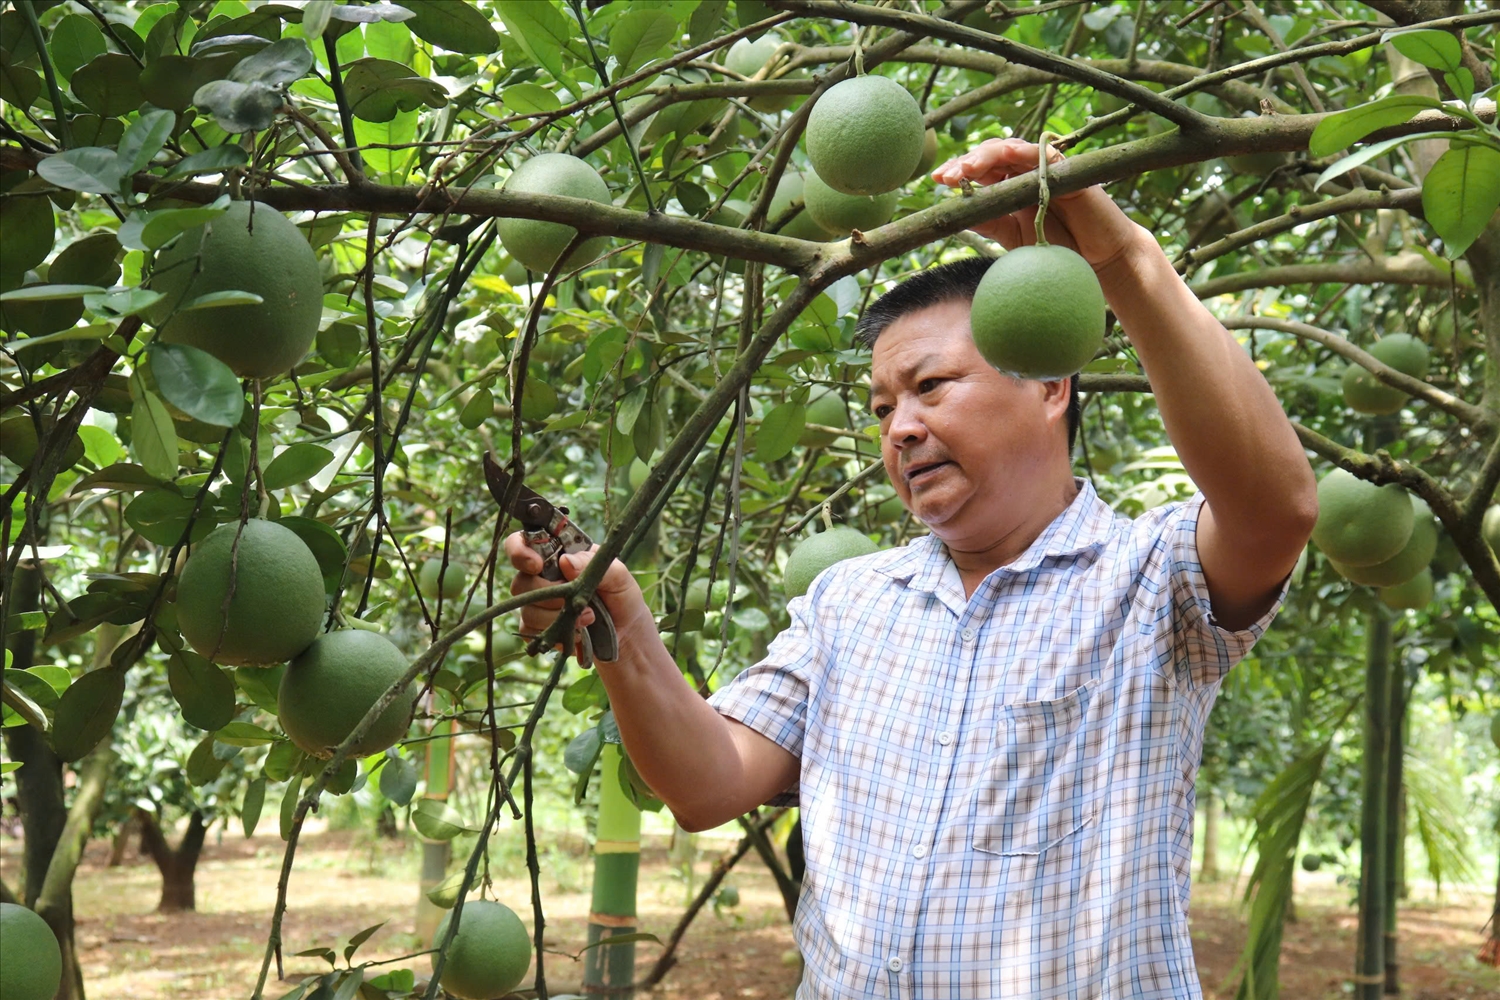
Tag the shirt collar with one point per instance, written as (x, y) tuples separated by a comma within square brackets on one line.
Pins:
[(1084, 524)]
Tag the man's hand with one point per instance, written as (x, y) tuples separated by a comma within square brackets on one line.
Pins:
[(1087, 221), (618, 590)]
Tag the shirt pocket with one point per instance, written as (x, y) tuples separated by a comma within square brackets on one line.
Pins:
[(1040, 786)]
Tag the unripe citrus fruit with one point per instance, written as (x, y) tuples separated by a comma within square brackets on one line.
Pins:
[(1489, 528), (1359, 523), (1407, 563), (490, 953), (259, 251), (330, 685), (698, 595), (638, 472), (826, 407), (1312, 862), (537, 244), (277, 607), (813, 555), (1414, 595), (865, 134), (929, 154), (841, 214), (802, 226), (18, 442), (1364, 393), (30, 959), (1038, 313), (455, 579), (746, 58)]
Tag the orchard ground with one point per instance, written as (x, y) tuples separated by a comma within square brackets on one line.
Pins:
[(347, 879)]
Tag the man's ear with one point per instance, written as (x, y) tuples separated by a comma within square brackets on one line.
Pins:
[(1056, 395)]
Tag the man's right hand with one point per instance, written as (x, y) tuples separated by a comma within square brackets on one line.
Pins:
[(618, 590)]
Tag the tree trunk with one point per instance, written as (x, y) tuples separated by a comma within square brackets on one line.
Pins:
[(177, 865), (55, 902), (1369, 967), (1395, 846), (1489, 953), (610, 970), (1210, 870), (121, 842)]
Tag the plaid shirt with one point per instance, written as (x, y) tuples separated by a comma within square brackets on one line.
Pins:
[(997, 791)]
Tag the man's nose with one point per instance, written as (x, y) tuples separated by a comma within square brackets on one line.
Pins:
[(906, 426)]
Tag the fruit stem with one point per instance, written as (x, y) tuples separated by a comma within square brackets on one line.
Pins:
[(827, 513), (1044, 195), (859, 53)]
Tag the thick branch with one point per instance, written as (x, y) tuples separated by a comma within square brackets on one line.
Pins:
[(1400, 269), (58, 887)]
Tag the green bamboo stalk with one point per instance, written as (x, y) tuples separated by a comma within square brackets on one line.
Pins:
[(1395, 816), (436, 854), (1369, 965), (609, 970)]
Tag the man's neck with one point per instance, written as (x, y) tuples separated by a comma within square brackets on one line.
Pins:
[(975, 562)]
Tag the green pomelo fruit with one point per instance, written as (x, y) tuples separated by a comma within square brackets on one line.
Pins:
[(1411, 560), (330, 685), (827, 408), (514, 273), (1312, 862), (1413, 595), (1038, 313), (802, 226), (1364, 393), (455, 579), (536, 244), (490, 953), (1489, 528), (277, 607), (259, 251), (746, 58), (888, 510), (813, 555), (18, 442), (865, 135), (30, 959), (1359, 523), (1495, 730), (929, 155), (840, 213), (698, 596)]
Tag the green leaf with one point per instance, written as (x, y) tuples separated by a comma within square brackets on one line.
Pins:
[(123, 476), (203, 765), (153, 437), (398, 780), (583, 751), (315, 17), (277, 65), (585, 693), (540, 29), (602, 353), (436, 820), (204, 692), (455, 25), (297, 464), (29, 684), (86, 712), (1344, 128), (289, 806), (779, 431), (160, 516), (325, 544), (29, 228), (218, 300), (100, 446), (444, 895), (1368, 153), (1461, 193), (144, 139), (640, 34), (1461, 82), (340, 344), (1428, 46), (530, 99), (124, 303), (255, 801), (49, 293), (359, 939), (479, 408), (284, 760), (197, 383), (110, 85), (211, 161), (93, 169), (245, 734), (705, 21), (76, 41), (239, 107), (379, 89)]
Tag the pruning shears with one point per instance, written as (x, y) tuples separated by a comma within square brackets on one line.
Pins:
[(548, 532)]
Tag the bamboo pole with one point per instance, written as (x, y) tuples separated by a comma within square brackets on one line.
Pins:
[(609, 970), (1369, 965)]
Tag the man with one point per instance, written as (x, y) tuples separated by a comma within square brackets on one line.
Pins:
[(994, 730)]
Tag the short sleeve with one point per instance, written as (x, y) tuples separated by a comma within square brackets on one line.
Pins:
[(1202, 651), (771, 696)]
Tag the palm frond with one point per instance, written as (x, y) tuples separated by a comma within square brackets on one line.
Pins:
[(1434, 794)]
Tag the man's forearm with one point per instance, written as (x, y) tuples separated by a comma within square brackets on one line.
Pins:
[(678, 743), (1221, 415)]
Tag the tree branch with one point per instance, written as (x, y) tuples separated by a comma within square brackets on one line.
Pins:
[(1401, 269), (69, 852)]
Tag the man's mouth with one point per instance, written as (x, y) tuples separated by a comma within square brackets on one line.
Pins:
[(920, 473)]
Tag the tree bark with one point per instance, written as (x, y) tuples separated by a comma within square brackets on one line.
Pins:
[(54, 903), (120, 844), (177, 865)]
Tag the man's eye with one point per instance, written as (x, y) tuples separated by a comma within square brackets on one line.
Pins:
[(882, 411), (928, 384)]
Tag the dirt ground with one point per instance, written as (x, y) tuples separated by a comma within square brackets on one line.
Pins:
[(346, 881)]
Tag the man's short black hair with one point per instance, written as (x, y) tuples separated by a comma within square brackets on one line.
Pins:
[(952, 282)]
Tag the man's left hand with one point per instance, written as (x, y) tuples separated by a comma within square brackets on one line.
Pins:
[(1087, 221)]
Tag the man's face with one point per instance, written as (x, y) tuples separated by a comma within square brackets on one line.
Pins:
[(964, 445)]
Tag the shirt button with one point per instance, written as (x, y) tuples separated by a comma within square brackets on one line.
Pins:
[(920, 851), (968, 635), (945, 738), (894, 964)]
